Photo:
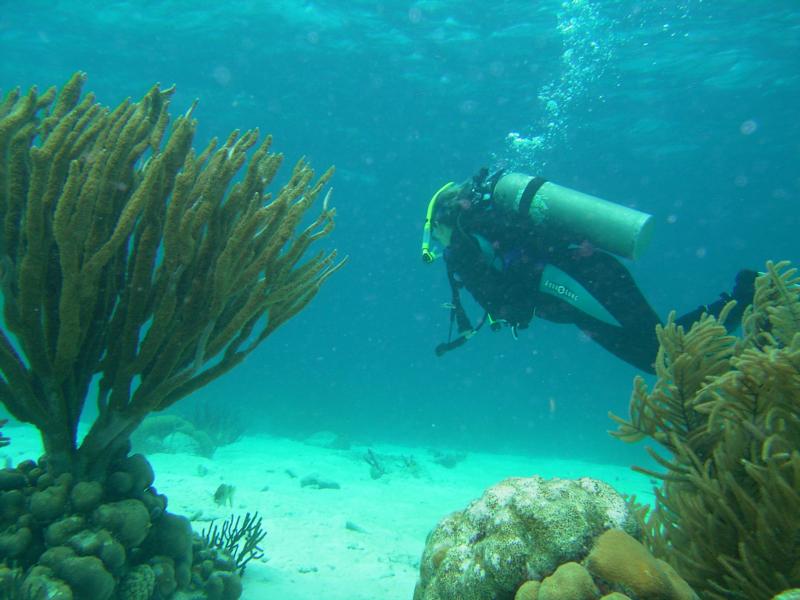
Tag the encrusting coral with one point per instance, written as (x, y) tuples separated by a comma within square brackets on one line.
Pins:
[(128, 259), (727, 409)]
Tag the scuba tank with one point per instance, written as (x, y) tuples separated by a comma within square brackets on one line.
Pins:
[(612, 227)]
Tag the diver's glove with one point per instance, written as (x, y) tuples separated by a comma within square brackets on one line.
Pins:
[(445, 347)]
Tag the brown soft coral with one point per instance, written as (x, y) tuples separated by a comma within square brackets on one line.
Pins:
[(725, 409)]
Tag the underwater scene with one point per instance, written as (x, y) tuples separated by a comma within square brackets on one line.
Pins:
[(419, 300)]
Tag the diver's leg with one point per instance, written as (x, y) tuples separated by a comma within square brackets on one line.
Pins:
[(637, 347), (607, 279)]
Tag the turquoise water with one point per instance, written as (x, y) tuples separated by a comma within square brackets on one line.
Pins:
[(686, 110)]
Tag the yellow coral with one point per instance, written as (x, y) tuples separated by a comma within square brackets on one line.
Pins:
[(570, 581), (528, 591), (726, 409), (620, 560)]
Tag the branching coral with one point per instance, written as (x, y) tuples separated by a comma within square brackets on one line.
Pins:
[(128, 257), (728, 412), (239, 538)]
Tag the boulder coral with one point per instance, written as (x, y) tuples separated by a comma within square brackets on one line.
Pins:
[(99, 547), (520, 529), (625, 565), (570, 581)]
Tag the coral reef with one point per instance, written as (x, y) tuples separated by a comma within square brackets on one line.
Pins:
[(238, 538), (521, 529), (618, 567), (384, 464), (725, 408), (619, 562), (528, 591), (222, 425), (449, 460), (85, 540), (129, 259), (570, 581), (171, 434), (376, 467)]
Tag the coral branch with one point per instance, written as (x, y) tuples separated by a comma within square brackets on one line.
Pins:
[(127, 256), (728, 513)]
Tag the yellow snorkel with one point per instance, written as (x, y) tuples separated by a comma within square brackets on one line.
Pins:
[(428, 255)]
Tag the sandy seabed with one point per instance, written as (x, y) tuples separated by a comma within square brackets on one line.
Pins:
[(362, 541)]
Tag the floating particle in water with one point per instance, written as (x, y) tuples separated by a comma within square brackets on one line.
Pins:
[(222, 75), (748, 127)]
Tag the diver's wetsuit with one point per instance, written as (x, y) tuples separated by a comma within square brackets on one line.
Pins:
[(503, 265)]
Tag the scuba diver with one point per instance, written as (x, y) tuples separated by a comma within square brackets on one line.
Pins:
[(523, 246)]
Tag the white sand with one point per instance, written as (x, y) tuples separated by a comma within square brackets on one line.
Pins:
[(310, 553)]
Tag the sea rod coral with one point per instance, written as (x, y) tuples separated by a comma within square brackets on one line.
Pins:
[(130, 260), (727, 410)]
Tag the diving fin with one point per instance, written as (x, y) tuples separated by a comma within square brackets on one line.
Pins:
[(743, 292)]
